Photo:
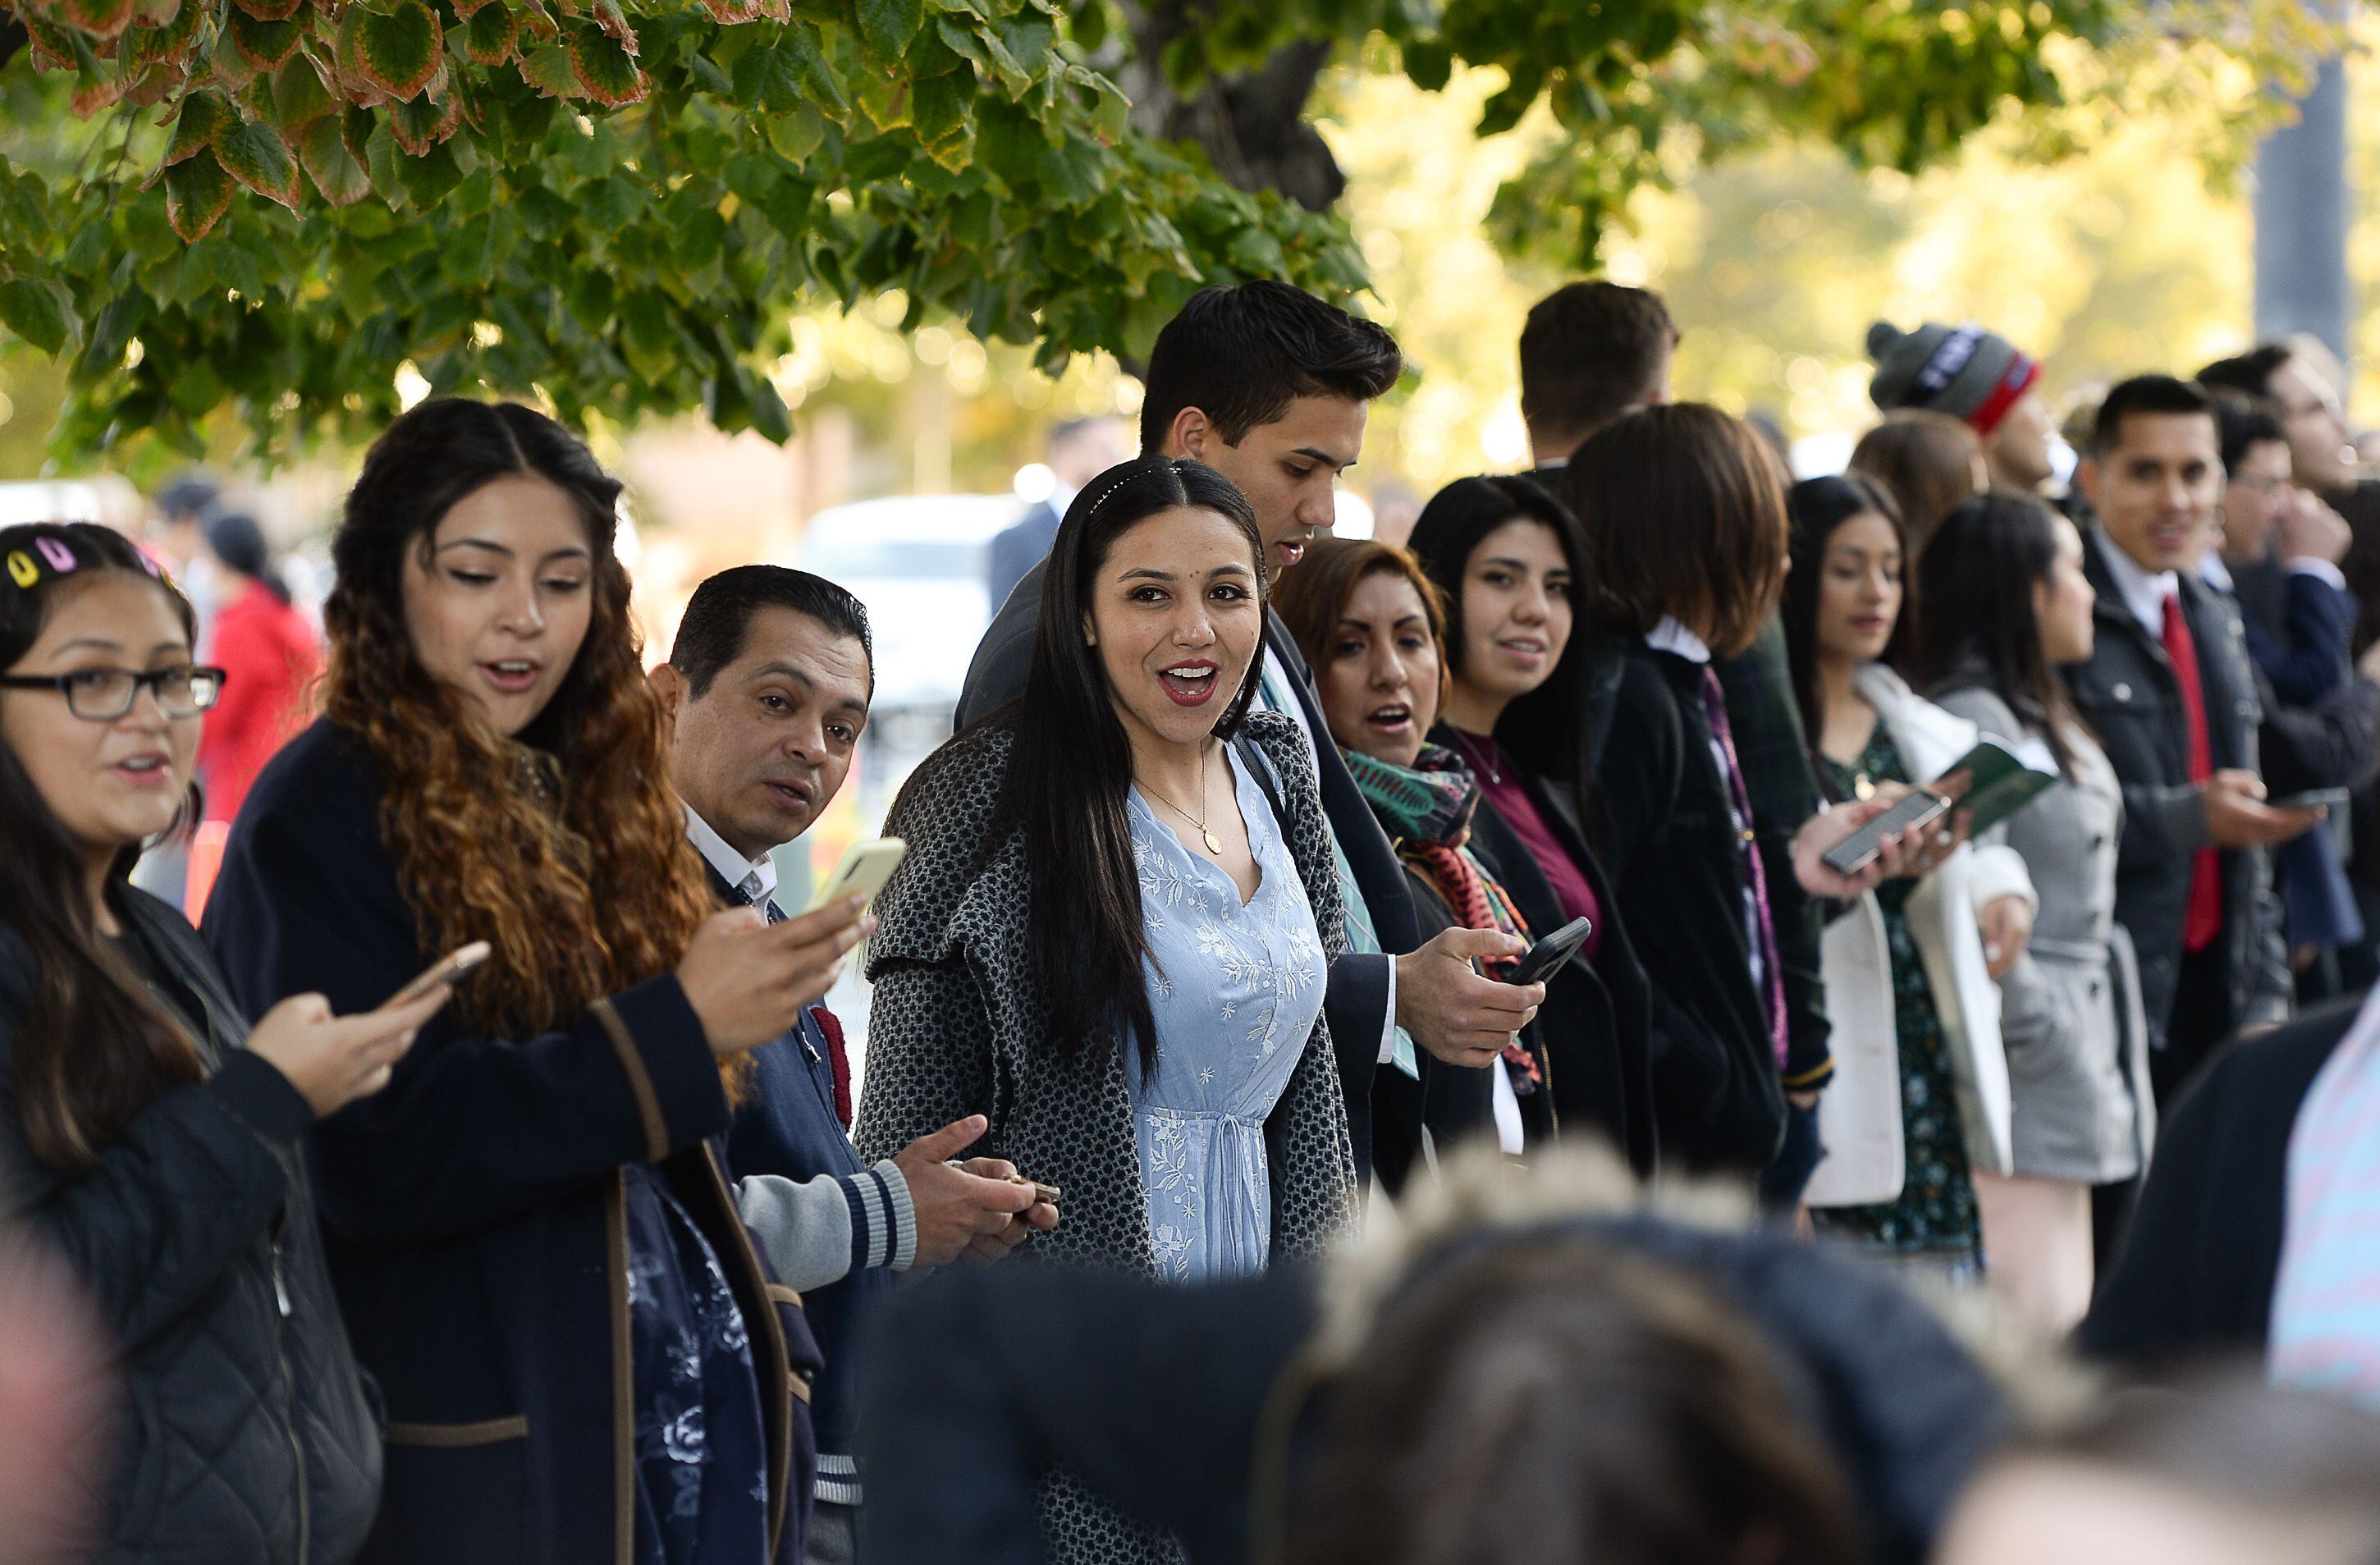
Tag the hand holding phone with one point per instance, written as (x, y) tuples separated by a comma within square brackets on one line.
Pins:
[(861, 871), (448, 970), (1546, 958)]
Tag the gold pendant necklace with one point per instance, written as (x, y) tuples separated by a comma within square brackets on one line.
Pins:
[(1214, 843)]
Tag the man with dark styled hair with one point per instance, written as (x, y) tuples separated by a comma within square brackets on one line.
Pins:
[(1271, 386), (2171, 693), (1590, 352), (767, 691)]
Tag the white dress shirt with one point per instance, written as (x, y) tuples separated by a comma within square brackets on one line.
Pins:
[(2144, 591), (755, 878)]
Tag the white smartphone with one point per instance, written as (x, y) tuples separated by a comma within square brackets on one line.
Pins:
[(447, 969), (863, 869)]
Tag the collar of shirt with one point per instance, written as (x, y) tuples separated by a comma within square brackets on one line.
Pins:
[(2144, 591), (1670, 636), (2214, 572), (755, 878)]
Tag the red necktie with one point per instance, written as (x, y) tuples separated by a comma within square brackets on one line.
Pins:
[(2203, 917)]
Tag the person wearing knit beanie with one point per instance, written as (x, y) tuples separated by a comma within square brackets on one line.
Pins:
[(1975, 375)]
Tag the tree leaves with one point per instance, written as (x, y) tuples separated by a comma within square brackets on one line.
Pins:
[(267, 44), (397, 52), (255, 154), (336, 169), (887, 26), (491, 33), (198, 193), (605, 69), (34, 312), (202, 117)]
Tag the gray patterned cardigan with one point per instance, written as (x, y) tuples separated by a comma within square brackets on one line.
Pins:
[(956, 1027)]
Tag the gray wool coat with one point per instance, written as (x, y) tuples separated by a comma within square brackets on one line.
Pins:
[(956, 1027), (2070, 1015)]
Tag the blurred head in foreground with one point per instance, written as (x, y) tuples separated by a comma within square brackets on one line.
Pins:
[(2218, 1471)]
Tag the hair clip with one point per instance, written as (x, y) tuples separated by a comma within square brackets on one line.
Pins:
[(25, 573)]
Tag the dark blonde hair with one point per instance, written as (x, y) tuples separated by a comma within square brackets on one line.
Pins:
[(1554, 1401), (1683, 511), (1310, 599), (1928, 459)]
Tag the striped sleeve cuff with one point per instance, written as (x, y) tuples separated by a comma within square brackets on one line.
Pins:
[(883, 1220)]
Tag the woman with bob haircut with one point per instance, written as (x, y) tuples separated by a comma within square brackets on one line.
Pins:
[(583, 1356), (1111, 932), (1683, 512)]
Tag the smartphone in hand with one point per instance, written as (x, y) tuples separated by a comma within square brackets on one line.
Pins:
[(1545, 959), (862, 870), (450, 968)]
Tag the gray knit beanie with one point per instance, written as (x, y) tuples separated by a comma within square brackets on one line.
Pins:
[(1965, 371)]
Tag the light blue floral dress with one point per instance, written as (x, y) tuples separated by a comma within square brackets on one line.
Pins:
[(1235, 988)]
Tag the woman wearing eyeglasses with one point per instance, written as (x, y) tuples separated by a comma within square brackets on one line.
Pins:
[(148, 1134)]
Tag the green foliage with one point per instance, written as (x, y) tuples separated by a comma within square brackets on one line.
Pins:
[(271, 207), (275, 205)]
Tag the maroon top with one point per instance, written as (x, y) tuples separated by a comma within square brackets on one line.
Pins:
[(1500, 780)]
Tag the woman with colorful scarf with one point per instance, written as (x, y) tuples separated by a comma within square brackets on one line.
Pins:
[(1371, 626)]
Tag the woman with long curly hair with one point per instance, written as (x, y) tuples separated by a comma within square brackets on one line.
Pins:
[(583, 1357)]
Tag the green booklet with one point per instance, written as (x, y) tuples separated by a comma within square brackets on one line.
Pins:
[(1993, 782)]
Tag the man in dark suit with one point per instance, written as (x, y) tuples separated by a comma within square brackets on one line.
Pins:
[(2173, 697), (1271, 386), (1589, 353), (766, 690), (1079, 450)]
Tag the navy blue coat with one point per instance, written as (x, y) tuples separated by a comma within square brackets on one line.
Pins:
[(788, 1127), (474, 1211)]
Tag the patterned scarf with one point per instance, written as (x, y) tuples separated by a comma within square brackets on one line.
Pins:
[(1427, 809)]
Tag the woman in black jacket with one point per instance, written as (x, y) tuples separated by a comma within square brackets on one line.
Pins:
[(1507, 558), (584, 1357), (1683, 512), (148, 1135)]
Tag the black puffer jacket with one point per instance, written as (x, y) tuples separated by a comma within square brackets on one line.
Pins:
[(245, 1436)]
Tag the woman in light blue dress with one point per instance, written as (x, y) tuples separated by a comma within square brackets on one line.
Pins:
[(1235, 987)]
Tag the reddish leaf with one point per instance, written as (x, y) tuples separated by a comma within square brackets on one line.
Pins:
[(270, 10), (538, 25), (548, 70), (333, 166), (53, 46), (268, 45), (301, 93), (398, 52), (734, 13), (605, 71), (355, 129), (466, 9), (99, 18), (493, 32), (171, 37), (614, 23), (203, 116), (156, 13), (156, 84), (777, 10), (196, 194), (255, 154), (422, 125)]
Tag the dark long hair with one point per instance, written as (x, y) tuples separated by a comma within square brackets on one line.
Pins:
[(566, 849), (1978, 574), (1545, 729), (1817, 507), (1070, 768), (94, 1047)]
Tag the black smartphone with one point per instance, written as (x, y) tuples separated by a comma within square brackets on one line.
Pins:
[(1857, 851), (2318, 799), (1543, 959)]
